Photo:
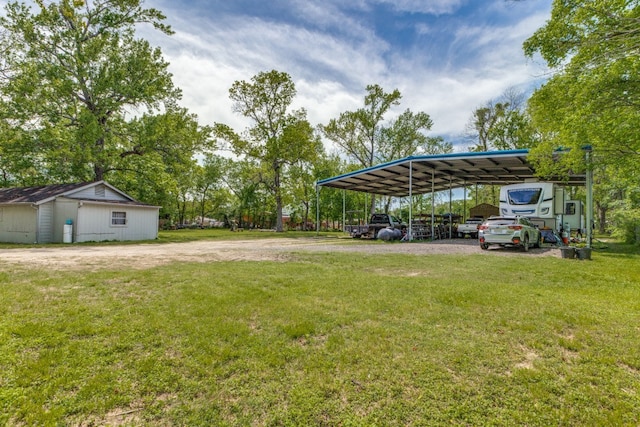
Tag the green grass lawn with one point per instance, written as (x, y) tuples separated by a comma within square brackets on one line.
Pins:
[(326, 339)]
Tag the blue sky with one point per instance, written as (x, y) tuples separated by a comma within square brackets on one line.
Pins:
[(447, 57)]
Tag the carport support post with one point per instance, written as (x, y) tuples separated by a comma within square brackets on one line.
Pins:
[(410, 200), (450, 207), (433, 203), (317, 209), (464, 201), (589, 183), (344, 212)]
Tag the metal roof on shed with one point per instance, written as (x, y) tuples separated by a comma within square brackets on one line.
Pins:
[(440, 172)]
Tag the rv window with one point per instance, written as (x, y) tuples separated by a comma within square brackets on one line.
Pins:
[(570, 209), (524, 196)]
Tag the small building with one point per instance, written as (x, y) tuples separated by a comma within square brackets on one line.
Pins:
[(83, 212), (484, 210)]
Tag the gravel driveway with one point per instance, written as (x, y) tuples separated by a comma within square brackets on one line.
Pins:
[(148, 255)]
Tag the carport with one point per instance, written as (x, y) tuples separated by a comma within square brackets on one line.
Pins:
[(415, 175)]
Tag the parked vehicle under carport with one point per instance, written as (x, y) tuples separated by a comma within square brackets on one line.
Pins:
[(509, 231)]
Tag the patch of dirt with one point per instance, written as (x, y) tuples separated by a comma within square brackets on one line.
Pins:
[(145, 256)]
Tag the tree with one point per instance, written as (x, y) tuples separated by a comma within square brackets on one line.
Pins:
[(71, 73), (588, 34), (332, 203), (240, 178), (302, 179), (358, 132), (594, 97), (482, 122), (405, 137), (278, 138), (502, 124), (208, 186), (365, 138)]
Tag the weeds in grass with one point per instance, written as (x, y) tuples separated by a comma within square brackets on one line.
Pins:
[(325, 340)]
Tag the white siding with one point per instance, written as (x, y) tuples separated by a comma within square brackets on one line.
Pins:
[(98, 192), (94, 223), (63, 210), (18, 224)]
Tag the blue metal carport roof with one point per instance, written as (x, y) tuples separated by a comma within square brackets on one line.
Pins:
[(427, 173)]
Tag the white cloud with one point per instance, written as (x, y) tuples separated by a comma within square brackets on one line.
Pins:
[(207, 57), (435, 7), (332, 51)]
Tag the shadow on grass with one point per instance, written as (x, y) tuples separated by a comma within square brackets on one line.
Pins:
[(615, 249)]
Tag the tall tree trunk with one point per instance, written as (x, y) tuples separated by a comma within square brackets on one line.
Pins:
[(602, 218), (306, 216), (98, 172), (387, 204), (278, 194)]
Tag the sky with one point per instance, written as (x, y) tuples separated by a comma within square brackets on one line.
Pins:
[(447, 57)]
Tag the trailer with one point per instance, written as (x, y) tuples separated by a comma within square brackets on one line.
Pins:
[(544, 203), (377, 222), (355, 225)]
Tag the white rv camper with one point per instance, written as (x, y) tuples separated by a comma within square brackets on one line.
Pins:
[(544, 203)]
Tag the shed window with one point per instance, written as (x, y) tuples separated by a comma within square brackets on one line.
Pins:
[(118, 218)]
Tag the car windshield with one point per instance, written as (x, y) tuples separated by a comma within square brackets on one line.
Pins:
[(524, 196)]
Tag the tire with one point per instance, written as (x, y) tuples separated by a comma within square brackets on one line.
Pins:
[(484, 246), (525, 243), (538, 243)]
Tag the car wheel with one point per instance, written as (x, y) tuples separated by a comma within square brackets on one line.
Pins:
[(538, 242), (484, 246), (525, 243)]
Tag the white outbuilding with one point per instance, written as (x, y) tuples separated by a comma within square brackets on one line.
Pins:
[(82, 212)]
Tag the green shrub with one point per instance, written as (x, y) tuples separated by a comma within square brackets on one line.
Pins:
[(627, 225)]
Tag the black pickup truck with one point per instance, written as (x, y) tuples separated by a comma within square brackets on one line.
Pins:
[(377, 222)]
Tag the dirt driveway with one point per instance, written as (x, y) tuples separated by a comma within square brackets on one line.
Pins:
[(277, 249)]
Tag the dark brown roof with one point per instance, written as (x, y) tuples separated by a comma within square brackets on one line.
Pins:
[(36, 194)]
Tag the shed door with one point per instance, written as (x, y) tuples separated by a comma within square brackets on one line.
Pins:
[(45, 223)]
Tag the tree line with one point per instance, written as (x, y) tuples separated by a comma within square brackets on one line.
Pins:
[(82, 98)]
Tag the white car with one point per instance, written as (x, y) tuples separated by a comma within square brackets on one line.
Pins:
[(509, 231)]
